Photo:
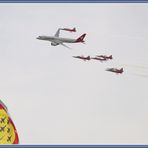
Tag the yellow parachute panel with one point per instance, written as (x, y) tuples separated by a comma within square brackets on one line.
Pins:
[(8, 134)]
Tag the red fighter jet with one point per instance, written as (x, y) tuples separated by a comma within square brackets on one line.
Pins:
[(105, 57), (115, 70), (99, 59), (70, 30), (82, 57)]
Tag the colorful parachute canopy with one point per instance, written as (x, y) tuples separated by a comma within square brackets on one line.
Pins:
[(8, 133)]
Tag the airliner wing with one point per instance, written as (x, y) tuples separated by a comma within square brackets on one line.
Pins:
[(61, 43), (57, 33), (65, 45)]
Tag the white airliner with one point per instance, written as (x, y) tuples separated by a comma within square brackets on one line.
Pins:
[(56, 40)]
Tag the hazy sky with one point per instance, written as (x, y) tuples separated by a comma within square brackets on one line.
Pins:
[(56, 99)]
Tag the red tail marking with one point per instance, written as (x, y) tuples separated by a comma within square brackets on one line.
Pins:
[(80, 39)]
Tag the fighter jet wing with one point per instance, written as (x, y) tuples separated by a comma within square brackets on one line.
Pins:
[(57, 33)]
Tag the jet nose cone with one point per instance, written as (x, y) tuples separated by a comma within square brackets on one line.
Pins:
[(39, 37)]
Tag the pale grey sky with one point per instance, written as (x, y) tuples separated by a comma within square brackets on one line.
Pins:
[(56, 99)]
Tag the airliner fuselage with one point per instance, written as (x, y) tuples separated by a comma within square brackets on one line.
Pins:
[(55, 39)]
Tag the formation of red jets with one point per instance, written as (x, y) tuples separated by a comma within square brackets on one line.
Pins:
[(100, 58)]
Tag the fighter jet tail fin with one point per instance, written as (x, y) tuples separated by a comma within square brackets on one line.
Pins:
[(111, 57), (121, 69)]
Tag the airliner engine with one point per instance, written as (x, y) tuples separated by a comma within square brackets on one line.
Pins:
[(54, 44)]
